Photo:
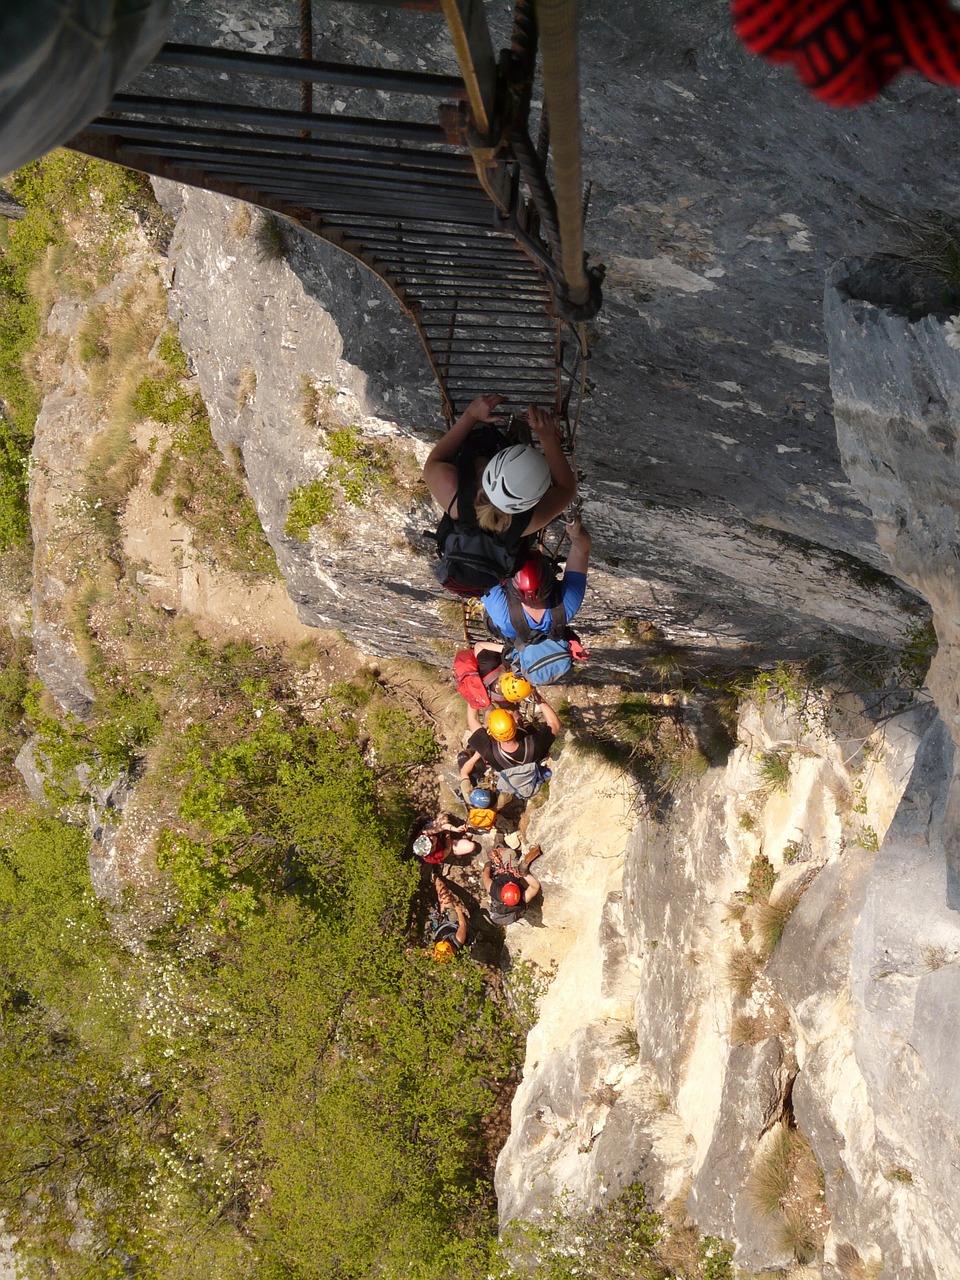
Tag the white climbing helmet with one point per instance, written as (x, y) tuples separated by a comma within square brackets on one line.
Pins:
[(515, 479)]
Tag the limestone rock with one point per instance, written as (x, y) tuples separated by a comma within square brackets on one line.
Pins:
[(720, 194), (895, 377), (754, 1087), (30, 770)]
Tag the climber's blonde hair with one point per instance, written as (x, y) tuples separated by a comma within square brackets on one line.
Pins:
[(490, 518)]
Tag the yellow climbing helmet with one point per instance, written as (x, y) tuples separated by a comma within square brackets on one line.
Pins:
[(515, 688), (443, 952), (501, 725)]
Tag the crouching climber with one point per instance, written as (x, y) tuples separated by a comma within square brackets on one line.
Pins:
[(516, 755), (511, 888), (483, 680), (442, 837), (447, 924), (494, 495)]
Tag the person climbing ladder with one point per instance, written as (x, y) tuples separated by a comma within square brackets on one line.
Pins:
[(494, 494), (516, 754)]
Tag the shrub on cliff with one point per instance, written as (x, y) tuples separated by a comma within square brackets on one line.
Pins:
[(55, 191)]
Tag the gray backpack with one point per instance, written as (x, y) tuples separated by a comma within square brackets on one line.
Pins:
[(523, 780)]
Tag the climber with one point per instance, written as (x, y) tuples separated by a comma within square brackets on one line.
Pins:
[(537, 593), (511, 889), (483, 680), (447, 924), (436, 839), (515, 754), (530, 612), (493, 497)]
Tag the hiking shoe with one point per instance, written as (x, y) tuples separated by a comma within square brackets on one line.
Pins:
[(535, 853)]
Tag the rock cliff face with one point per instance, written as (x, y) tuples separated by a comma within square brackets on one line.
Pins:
[(713, 483), (895, 374), (724, 513), (659, 1056)]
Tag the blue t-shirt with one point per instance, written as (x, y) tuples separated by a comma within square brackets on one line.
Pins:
[(572, 590)]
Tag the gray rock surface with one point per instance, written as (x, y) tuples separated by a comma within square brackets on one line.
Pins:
[(713, 483), (754, 1087), (895, 377), (870, 965)]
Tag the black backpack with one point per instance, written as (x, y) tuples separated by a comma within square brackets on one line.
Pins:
[(472, 560)]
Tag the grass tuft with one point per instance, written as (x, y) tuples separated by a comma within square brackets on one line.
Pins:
[(241, 222), (773, 770), (743, 969), (770, 920), (270, 238), (770, 1178), (246, 387)]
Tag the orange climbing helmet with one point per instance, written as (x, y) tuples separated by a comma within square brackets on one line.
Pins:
[(501, 725), (443, 952), (515, 688), (482, 819)]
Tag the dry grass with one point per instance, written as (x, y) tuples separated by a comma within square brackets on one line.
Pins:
[(317, 407), (770, 920), (246, 387), (746, 1029), (852, 1267), (743, 969), (241, 222), (935, 956), (114, 344), (770, 1178), (786, 1183), (678, 1248)]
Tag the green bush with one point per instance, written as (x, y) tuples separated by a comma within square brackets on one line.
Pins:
[(123, 723), (311, 504), (619, 1239), (398, 739), (715, 1258), (358, 469), (280, 1082), (761, 880)]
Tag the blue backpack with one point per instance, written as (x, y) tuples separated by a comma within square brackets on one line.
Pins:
[(540, 657)]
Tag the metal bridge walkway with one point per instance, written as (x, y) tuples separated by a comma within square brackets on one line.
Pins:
[(430, 180)]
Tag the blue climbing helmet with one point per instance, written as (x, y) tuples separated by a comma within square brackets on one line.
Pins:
[(480, 798)]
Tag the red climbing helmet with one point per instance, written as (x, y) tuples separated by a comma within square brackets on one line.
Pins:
[(510, 894), (534, 578)]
